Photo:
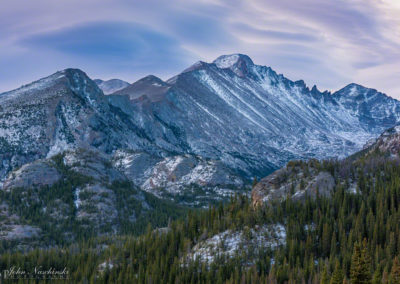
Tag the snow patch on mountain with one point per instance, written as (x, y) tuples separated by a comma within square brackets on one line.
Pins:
[(111, 86), (229, 243), (226, 61), (174, 173)]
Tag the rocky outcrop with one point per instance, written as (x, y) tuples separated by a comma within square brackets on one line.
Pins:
[(296, 181), (180, 176), (36, 174), (388, 142)]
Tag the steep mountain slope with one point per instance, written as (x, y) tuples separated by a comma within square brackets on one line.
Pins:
[(299, 180), (63, 111), (251, 118), (111, 86), (73, 196)]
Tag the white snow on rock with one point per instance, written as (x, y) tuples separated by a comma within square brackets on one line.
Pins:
[(19, 232), (228, 243), (173, 173), (111, 86), (226, 61), (77, 200)]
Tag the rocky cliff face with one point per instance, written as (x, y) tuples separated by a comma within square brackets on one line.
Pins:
[(296, 181), (299, 180), (251, 118), (387, 142), (63, 111)]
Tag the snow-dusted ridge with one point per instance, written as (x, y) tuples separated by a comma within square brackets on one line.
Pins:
[(111, 86), (255, 120)]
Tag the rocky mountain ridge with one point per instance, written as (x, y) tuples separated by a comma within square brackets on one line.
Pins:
[(111, 86), (215, 125), (299, 180), (253, 119)]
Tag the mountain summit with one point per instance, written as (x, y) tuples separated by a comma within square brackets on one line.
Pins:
[(238, 63), (111, 86)]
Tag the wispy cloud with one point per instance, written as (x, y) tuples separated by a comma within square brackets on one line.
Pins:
[(116, 44), (324, 42)]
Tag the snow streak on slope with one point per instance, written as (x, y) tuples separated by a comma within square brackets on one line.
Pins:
[(255, 120)]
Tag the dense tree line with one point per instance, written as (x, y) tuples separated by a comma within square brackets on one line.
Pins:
[(351, 237)]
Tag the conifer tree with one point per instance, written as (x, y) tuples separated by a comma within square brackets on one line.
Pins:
[(360, 265), (395, 273), (255, 181), (337, 276), (324, 277)]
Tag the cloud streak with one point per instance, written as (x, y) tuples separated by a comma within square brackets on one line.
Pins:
[(327, 43)]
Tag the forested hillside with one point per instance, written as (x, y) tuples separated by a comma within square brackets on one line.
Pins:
[(351, 236)]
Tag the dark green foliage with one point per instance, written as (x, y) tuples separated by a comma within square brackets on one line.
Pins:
[(255, 181), (52, 209), (395, 273), (346, 238), (361, 265), (337, 275)]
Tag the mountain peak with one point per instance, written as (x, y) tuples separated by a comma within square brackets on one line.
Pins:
[(73, 73), (111, 86), (354, 90), (67, 77), (150, 85), (238, 63), (231, 60), (353, 87), (152, 79)]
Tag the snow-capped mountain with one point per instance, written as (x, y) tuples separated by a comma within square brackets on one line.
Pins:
[(111, 86), (63, 111), (230, 116), (251, 118)]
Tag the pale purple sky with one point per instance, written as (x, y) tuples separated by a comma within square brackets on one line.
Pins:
[(329, 43)]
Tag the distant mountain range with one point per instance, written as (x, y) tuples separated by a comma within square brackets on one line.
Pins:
[(214, 125)]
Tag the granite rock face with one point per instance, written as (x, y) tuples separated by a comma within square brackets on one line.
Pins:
[(294, 181), (299, 180), (63, 111), (36, 174)]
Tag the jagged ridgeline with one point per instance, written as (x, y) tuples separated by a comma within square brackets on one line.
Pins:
[(345, 230)]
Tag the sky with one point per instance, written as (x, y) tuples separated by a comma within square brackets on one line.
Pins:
[(329, 43)]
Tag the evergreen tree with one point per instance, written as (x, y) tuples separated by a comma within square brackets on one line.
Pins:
[(337, 276), (255, 181), (324, 277), (395, 273), (360, 265)]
